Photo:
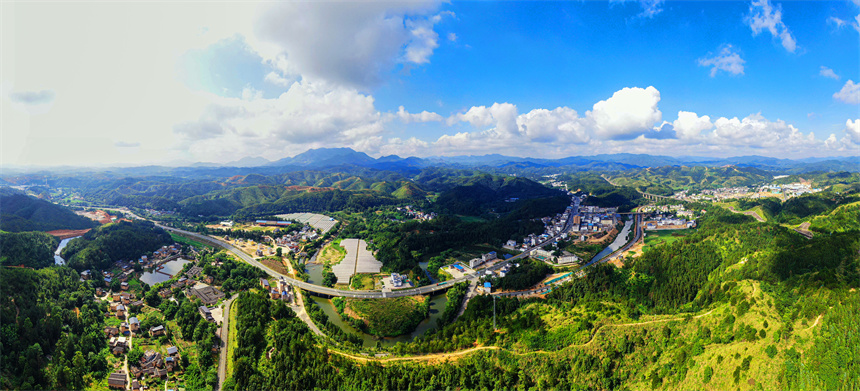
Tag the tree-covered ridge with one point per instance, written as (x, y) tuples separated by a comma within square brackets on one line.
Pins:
[(20, 212), (843, 218), (51, 331), (667, 180), (799, 209), (29, 249), (124, 240)]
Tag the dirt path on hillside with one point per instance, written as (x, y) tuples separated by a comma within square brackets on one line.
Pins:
[(818, 319), (752, 213), (426, 357), (457, 354)]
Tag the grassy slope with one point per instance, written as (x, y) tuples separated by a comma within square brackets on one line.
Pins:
[(843, 218), (189, 242), (231, 342)]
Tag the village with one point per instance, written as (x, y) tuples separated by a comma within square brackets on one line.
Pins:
[(781, 191)]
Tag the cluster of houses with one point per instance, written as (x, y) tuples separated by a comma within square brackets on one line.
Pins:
[(127, 267), (475, 262), (280, 291), (292, 241), (207, 294), (786, 191), (555, 226), (165, 252), (590, 219), (156, 213), (154, 365), (668, 222), (416, 214), (108, 276)]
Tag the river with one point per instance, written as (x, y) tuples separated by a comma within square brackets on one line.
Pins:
[(171, 268), (437, 306), (619, 242), (63, 243), (314, 271)]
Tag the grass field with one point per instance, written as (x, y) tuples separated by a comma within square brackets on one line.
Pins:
[(363, 282), (332, 254), (189, 242), (656, 238), (275, 264)]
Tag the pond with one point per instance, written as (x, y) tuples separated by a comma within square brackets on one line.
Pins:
[(619, 242), (170, 268), (63, 243), (437, 306)]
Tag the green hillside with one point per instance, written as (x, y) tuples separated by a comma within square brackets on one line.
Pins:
[(30, 249), (124, 240), (20, 212), (52, 330), (667, 180)]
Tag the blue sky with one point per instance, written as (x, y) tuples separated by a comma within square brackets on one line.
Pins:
[(549, 79)]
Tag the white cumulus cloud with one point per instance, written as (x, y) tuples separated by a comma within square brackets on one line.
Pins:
[(828, 73), (424, 116), (764, 16), (629, 111), (850, 93), (689, 125), (351, 44), (561, 124), (852, 130), (757, 131), (726, 60)]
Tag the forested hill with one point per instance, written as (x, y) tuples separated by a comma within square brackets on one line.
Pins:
[(52, 330), (667, 180), (20, 212), (124, 240), (29, 249)]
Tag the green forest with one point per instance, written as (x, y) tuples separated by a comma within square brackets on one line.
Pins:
[(51, 330), (29, 249), (20, 212), (101, 247)]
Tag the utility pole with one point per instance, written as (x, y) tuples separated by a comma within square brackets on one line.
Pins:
[(494, 313)]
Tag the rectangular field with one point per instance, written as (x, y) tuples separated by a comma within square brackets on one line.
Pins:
[(358, 259), (321, 222)]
